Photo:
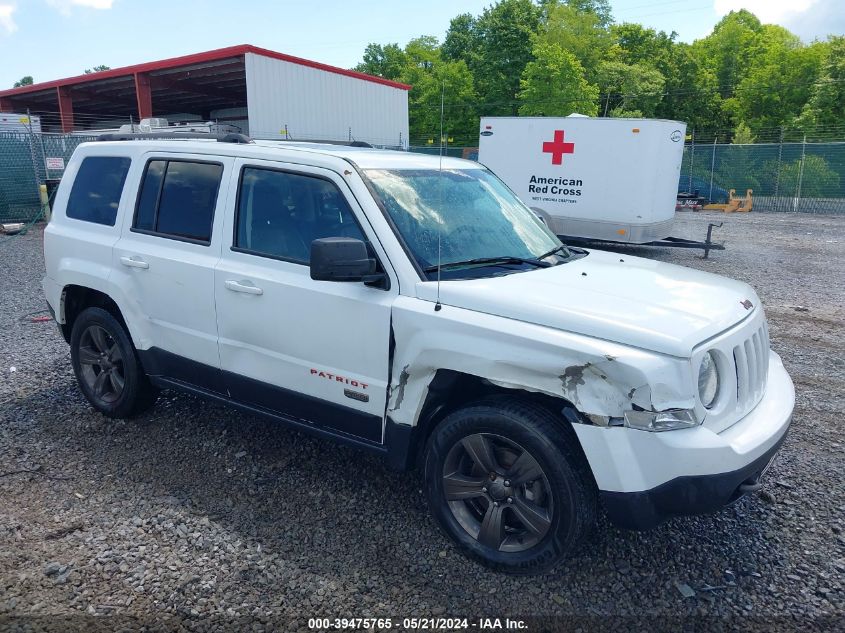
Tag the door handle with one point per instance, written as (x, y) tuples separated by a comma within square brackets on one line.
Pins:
[(243, 286), (134, 262)]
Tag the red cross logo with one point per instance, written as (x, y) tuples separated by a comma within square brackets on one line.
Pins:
[(557, 148)]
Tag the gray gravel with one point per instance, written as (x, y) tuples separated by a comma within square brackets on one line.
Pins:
[(204, 515)]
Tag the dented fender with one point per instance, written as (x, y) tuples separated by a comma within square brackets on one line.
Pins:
[(600, 378)]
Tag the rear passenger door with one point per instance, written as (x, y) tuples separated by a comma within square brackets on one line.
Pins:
[(164, 263), (316, 351)]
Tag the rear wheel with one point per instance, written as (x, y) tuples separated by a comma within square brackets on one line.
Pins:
[(505, 483), (107, 367)]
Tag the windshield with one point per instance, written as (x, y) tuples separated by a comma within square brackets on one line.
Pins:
[(472, 213)]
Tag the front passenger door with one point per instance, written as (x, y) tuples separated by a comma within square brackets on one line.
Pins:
[(316, 351)]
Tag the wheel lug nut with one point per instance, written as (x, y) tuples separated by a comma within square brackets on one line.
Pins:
[(495, 504), (510, 499), (507, 482), (484, 489)]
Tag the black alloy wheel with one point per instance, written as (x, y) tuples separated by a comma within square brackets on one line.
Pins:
[(101, 364), (498, 492), (507, 481), (106, 365)]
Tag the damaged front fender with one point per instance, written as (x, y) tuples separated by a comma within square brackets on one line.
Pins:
[(600, 378)]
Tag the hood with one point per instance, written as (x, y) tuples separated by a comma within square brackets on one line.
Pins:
[(629, 300)]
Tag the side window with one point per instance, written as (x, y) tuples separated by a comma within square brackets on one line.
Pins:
[(177, 199), (95, 194), (280, 214)]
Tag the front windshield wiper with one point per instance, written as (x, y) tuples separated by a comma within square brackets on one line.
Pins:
[(488, 261), (562, 249)]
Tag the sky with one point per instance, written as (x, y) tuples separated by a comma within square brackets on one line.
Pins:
[(52, 39)]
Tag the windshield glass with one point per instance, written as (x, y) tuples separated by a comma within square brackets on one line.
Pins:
[(474, 215)]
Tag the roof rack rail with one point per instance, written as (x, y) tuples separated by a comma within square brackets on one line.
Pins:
[(230, 137), (325, 142)]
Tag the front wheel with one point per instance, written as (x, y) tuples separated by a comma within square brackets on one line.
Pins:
[(505, 483)]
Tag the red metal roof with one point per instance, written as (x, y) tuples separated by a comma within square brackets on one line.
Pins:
[(220, 53)]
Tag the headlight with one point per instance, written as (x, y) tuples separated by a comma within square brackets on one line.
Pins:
[(656, 421), (708, 380)]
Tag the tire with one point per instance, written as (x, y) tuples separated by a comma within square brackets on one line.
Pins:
[(106, 366), (537, 519)]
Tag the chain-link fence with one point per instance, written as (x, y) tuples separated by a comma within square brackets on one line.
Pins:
[(27, 161), (784, 176), (794, 176)]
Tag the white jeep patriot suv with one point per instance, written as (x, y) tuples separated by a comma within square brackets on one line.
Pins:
[(419, 310)]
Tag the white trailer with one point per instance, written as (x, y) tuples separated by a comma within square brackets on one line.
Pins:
[(16, 123), (591, 178)]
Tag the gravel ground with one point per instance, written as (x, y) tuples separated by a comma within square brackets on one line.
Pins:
[(203, 515)]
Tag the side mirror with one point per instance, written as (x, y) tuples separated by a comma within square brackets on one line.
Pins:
[(342, 259)]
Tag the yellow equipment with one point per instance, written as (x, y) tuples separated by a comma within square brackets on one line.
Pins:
[(738, 205)]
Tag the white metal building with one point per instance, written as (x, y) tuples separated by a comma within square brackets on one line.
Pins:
[(265, 93)]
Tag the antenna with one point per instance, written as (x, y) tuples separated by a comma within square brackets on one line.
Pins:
[(438, 306)]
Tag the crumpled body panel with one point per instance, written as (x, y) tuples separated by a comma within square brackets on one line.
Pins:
[(600, 378)]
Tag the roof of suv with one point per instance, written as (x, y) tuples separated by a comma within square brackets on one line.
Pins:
[(363, 157)]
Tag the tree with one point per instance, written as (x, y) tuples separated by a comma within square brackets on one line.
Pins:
[(386, 61), (826, 103), (554, 84), (462, 40), (744, 80), (817, 179), (637, 44), (632, 90), (97, 69), (504, 48), (579, 32), (600, 8), (730, 48), (778, 81), (24, 81), (453, 82), (743, 135), (691, 91)]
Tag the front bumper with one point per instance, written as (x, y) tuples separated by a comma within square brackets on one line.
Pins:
[(645, 478), (688, 495)]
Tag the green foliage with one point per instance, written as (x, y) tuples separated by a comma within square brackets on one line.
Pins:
[(97, 69), (730, 48), (691, 91), (24, 81), (743, 135), (826, 103), (745, 80), (580, 33), (554, 85), (817, 179), (503, 45), (630, 88), (637, 44), (461, 40), (386, 61)]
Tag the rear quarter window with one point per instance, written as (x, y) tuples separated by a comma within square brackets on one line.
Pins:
[(95, 194)]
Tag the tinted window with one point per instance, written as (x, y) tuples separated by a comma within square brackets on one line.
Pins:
[(96, 191), (178, 198), (148, 199), (280, 214)]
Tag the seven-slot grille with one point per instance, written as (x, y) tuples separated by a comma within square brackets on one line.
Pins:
[(751, 358)]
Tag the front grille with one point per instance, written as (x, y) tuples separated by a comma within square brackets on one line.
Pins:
[(751, 359)]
